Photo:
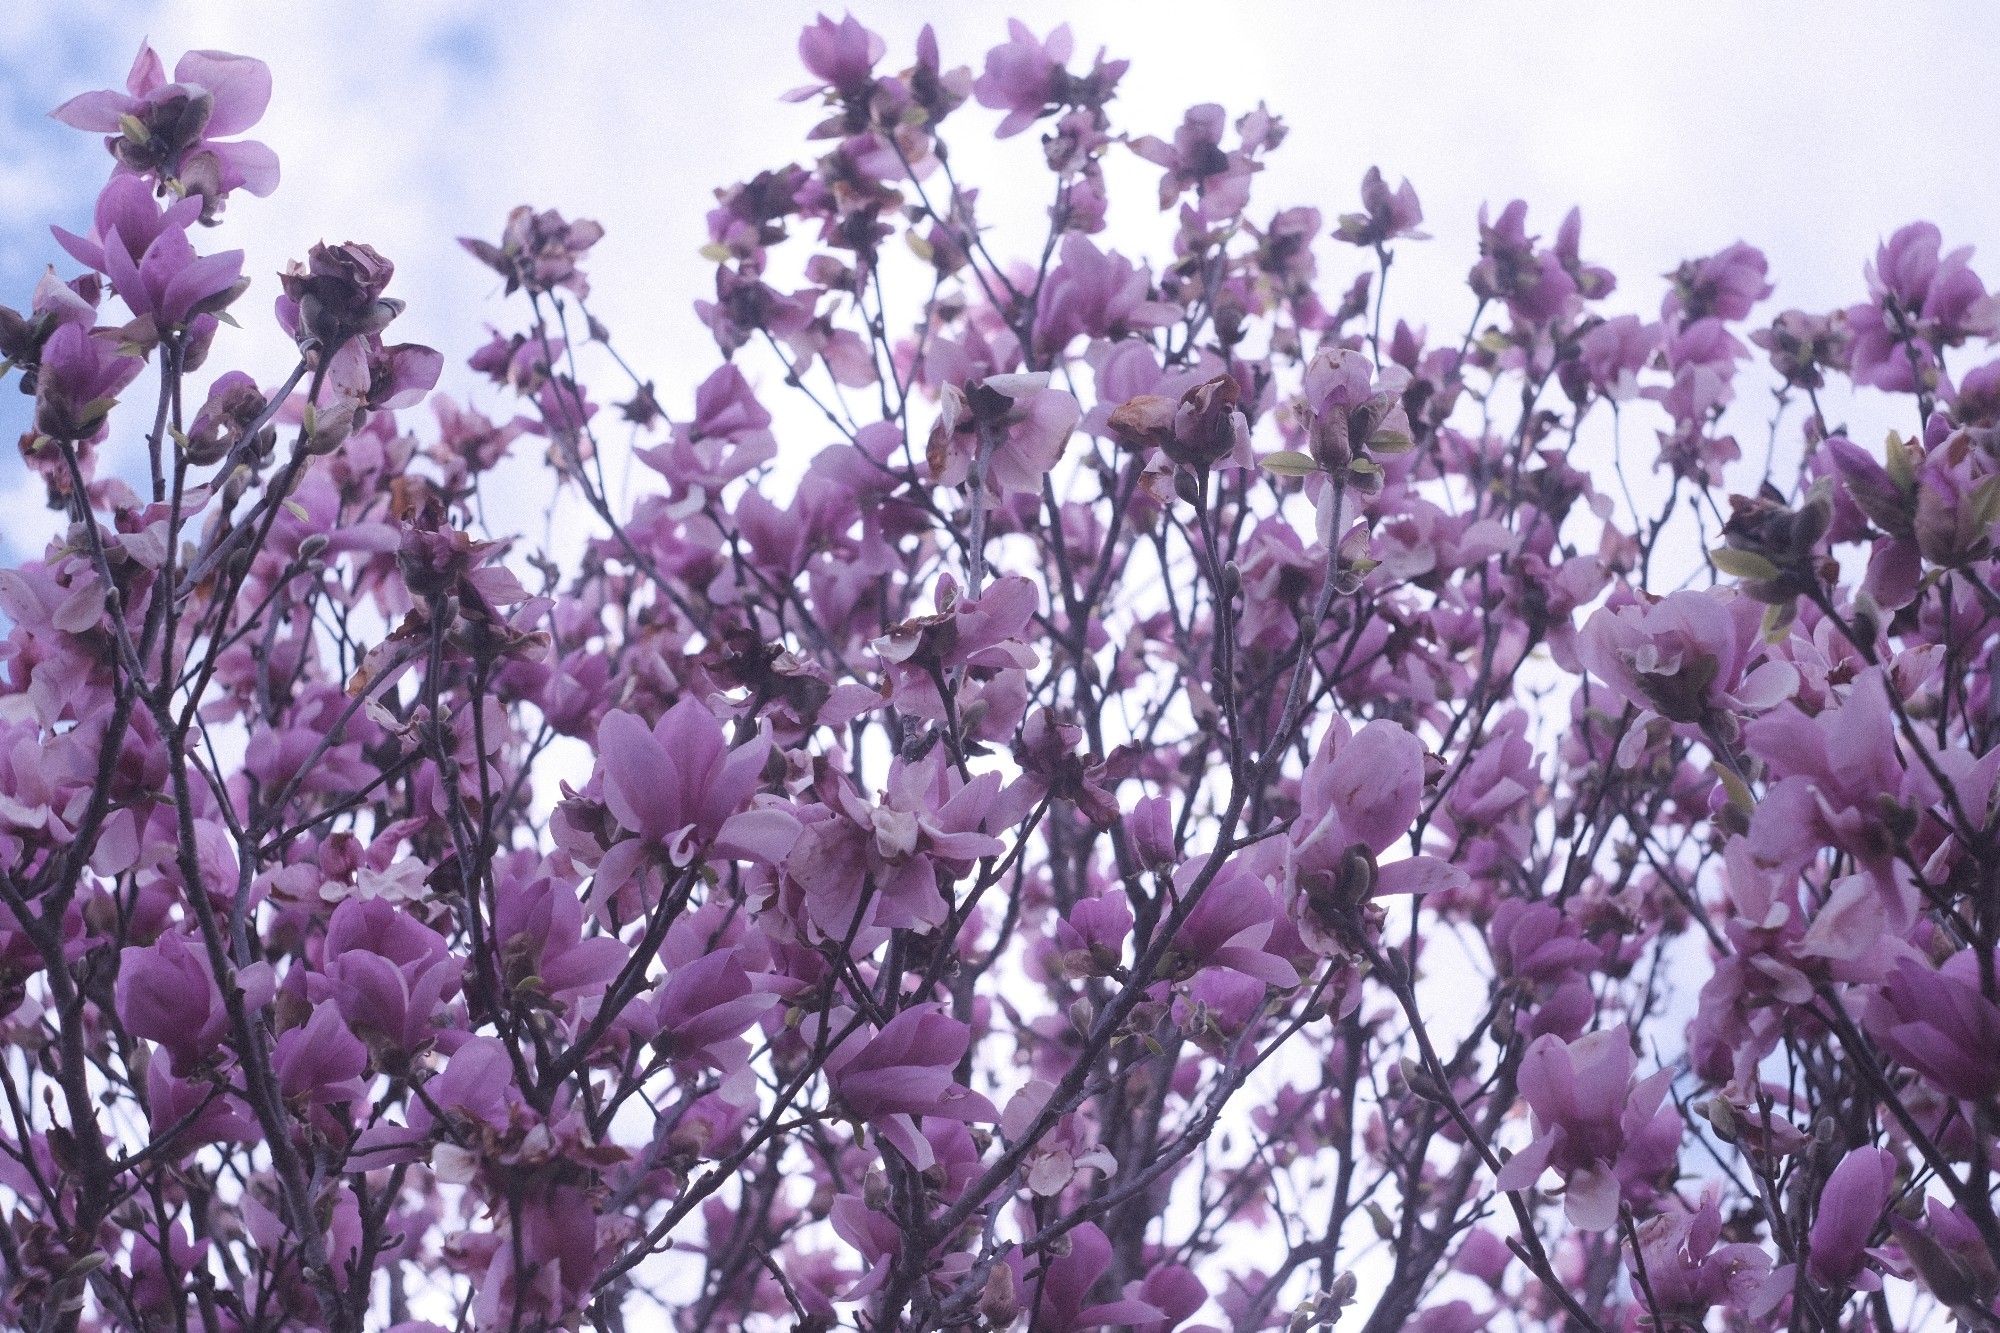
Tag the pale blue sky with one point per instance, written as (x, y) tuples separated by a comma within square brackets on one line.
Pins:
[(1811, 130)]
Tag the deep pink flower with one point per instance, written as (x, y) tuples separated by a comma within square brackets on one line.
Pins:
[(538, 930), (166, 993), (145, 251), (1540, 949), (1918, 300), (540, 252), (928, 830), (1691, 1272), (841, 55), (1360, 793), (1092, 937), (1059, 1290), (1833, 770), (1534, 284), (387, 972), (1196, 161), (1094, 294), (704, 1006), (1008, 431), (82, 373), (320, 1061), (1231, 926), (1723, 286), (1612, 354), (730, 435)]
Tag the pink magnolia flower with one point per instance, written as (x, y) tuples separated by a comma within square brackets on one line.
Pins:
[(729, 436), (387, 973), (1349, 411), (928, 830), (1686, 656), (1834, 769), (1195, 161), (151, 261), (966, 636), (1939, 1022), (1059, 1290), (320, 1061), (1094, 294), (1613, 352), (183, 131), (546, 1282), (1919, 300), (190, 1106), (1608, 1137), (538, 930), (1385, 215), (1803, 347), (704, 1006), (1091, 939), (680, 788), (1024, 77), (144, 250), (539, 252), (1593, 282), (840, 55), (1723, 286), (1533, 283), (1360, 793), (1851, 1205), (1701, 358), (166, 993), (82, 373), (1231, 927), (1783, 949), (1213, 1010), (1540, 949), (1005, 432), (905, 1070), (1691, 1272)]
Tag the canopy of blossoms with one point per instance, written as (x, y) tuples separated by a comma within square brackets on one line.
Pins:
[(1072, 791)]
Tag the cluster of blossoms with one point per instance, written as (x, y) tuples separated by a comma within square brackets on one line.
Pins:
[(1139, 795)]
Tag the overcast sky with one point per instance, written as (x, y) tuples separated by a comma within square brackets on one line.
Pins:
[(1809, 129)]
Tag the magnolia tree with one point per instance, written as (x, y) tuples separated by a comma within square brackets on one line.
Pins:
[(1168, 800)]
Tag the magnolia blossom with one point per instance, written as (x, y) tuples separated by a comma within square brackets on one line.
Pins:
[(902, 1072), (184, 131), (1686, 657), (677, 787), (1359, 795), (1608, 1137)]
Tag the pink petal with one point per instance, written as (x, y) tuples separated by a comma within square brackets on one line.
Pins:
[(1377, 783), (1418, 874), (97, 111), (241, 86)]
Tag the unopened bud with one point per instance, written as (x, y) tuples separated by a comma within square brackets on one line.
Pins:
[(1188, 486), (999, 1302)]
